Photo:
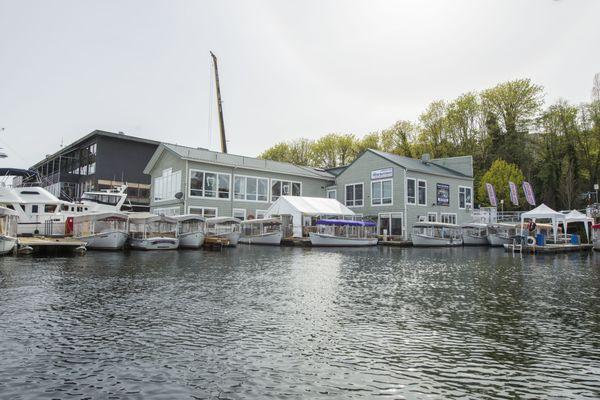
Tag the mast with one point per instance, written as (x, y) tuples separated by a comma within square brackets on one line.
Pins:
[(219, 105)]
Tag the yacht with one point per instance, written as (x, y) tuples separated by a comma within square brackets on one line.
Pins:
[(8, 230), (340, 232), (101, 230), (190, 230), (261, 231), (152, 232), (108, 200), (224, 228), (436, 234), (475, 234)]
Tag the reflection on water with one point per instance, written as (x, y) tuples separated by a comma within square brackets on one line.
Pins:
[(258, 322)]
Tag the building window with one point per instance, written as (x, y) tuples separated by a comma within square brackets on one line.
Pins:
[(422, 186), (250, 188), (285, 188), (354, 195), (411, 191), (332, 193), (206, 212), (432, 217), (381, 192), (209, 184), (167, 185), (465, 197), (448, 218), (260, 214), (239, 213)]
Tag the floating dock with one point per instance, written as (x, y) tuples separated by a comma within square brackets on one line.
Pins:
[(40, 244), (548, 249)]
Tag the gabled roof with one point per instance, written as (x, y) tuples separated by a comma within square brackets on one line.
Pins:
[(411, 164), (214, 157)]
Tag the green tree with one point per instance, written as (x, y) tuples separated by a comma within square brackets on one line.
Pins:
[(499, 174), (397, 139), (279, 152)]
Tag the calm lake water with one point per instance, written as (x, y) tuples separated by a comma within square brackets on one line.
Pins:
[(254, 323)]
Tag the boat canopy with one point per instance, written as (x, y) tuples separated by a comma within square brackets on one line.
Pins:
[(223, 220), (264, 221), (96, 216), (190, 217), (24, 173), (434, 225), (8, 211), (146, 217), (344, 222), (479, 225)]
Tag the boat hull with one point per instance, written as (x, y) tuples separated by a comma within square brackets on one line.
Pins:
[(154, 243), (497, 240), (105, 241), (233, 237), (470, 240), (191, 240), (7, 244), (419, 240), (319, 239), (272, 238), (596, 243)]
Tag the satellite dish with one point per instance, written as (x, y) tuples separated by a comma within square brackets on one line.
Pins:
[(179, 195)]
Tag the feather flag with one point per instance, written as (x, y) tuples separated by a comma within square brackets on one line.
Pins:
[(514, 194), (491, 194), (529, 193)]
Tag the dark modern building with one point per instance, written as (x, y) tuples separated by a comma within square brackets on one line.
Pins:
[(98, 161)]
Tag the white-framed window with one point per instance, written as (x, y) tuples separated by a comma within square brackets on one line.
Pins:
[(260, 214), (432, 217), (206, 212), (332, 193), (354, 194), (422, 192), (381, 192), (167, 185), (465, 197), (206, 184), (448, 218), (411, 191), (168, 211), (285, 188), (250, 188), (239, 213)]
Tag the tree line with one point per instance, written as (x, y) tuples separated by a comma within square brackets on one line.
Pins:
[(507, 129)]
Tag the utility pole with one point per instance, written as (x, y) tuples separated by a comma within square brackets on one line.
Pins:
[(219, 105)]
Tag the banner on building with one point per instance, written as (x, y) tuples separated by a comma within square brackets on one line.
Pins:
[(491, 194), (529, 196), (514, 193), (443, 194)]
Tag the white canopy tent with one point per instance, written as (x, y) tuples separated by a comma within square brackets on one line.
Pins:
[(544, 212), (575, 216), (300, 207)]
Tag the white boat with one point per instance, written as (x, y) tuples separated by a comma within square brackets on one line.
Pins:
[(500, 234), (8, 230), (475, 234), (101, 230), (436, 234), (261, 231), (596, 236), (344, 233), (190, 230), (109, 200), (225, 228), (152, 232)]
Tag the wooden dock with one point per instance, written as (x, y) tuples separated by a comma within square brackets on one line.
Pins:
[(40, 244), (548, 249), (215, 243)]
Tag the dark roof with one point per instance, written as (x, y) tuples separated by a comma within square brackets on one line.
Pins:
[(336, 170), (120, 136), (412, 164)]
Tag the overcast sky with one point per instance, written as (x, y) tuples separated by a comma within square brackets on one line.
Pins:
[(288, 69)]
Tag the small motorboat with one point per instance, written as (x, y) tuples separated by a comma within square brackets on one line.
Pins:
[(8, 229), (227, 228), (101, 230), (261, 231), (190, 230), (152, 232), (436, 234), (340, 232), (475, 234), (500, 234)]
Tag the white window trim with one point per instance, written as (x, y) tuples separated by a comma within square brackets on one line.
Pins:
[(390, 215), (432, 213), (238, 209), (204, 208), (392, 192), (467, 205), (165, 172), (363, 194), (281, 180), (246, 188), (417, 193), (327, 191), (257, 211), (447, 213), (204, 190)]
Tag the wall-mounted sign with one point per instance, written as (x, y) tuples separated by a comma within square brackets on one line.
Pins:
[(443, 194), (382, 173)]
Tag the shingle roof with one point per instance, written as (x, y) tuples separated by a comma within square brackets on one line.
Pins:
[(412, 164), (200, 154)]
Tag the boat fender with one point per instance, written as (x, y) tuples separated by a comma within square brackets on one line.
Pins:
[(25, 250), (81, 250), (530, 241)]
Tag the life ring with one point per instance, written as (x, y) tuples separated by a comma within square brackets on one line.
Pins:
[(530, 241)]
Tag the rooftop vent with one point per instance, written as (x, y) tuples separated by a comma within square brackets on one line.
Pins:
[(425, 158), (121, 133)]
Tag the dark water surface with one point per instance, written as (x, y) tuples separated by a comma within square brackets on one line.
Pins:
[(253, 323)]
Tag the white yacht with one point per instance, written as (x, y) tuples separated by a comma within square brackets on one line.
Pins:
[(101, 230), (436, 234), (152, 232), (109, 200), (224, 227), (190, 230), (475, 234), (8, 230), (261, 231), (340, 232), (500, 233)]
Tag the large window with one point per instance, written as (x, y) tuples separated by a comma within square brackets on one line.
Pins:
[(354, 195), (448, 218), (432, 216), (332, 193), (167, 185), (411, 191), (206, 212), (285, 188), (250, 188), (422, 192), (381, 192), (260, 214), (465, 197), (209, 184), (239, 213)]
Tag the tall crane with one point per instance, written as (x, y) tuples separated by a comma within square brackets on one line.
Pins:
[(219, 105)]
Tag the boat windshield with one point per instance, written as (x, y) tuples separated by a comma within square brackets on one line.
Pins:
[(101, 198)]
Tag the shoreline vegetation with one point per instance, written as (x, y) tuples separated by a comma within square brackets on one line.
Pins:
[(508, 130)]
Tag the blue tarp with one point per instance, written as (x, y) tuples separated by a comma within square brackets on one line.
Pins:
[(343, 222)]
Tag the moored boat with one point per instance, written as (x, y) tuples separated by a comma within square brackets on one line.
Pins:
[(339, 232), (436, 234), (227, 228), (475, 234), (152, 232), (261, 231), (190, 230), (101, 230), (8, 230), (500, 234), (596, 236)]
